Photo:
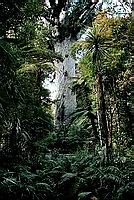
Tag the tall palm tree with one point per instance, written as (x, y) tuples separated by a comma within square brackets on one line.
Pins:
[(94, 44)]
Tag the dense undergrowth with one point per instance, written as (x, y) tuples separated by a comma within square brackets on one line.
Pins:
[(55, 174)]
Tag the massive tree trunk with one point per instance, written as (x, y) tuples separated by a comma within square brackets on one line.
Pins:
[(68, 19), (66, 100)]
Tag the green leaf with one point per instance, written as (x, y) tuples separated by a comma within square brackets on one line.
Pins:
[(84, 195)]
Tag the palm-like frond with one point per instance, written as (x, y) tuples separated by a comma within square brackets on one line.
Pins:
[(79, 117), (6, 48), (93, 43)]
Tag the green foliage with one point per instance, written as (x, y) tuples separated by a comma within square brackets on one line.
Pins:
[(66, 176), (26, 60), (105, 67)]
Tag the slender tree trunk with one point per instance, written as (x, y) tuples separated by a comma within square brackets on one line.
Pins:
[(102, 114), (91, 116)]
